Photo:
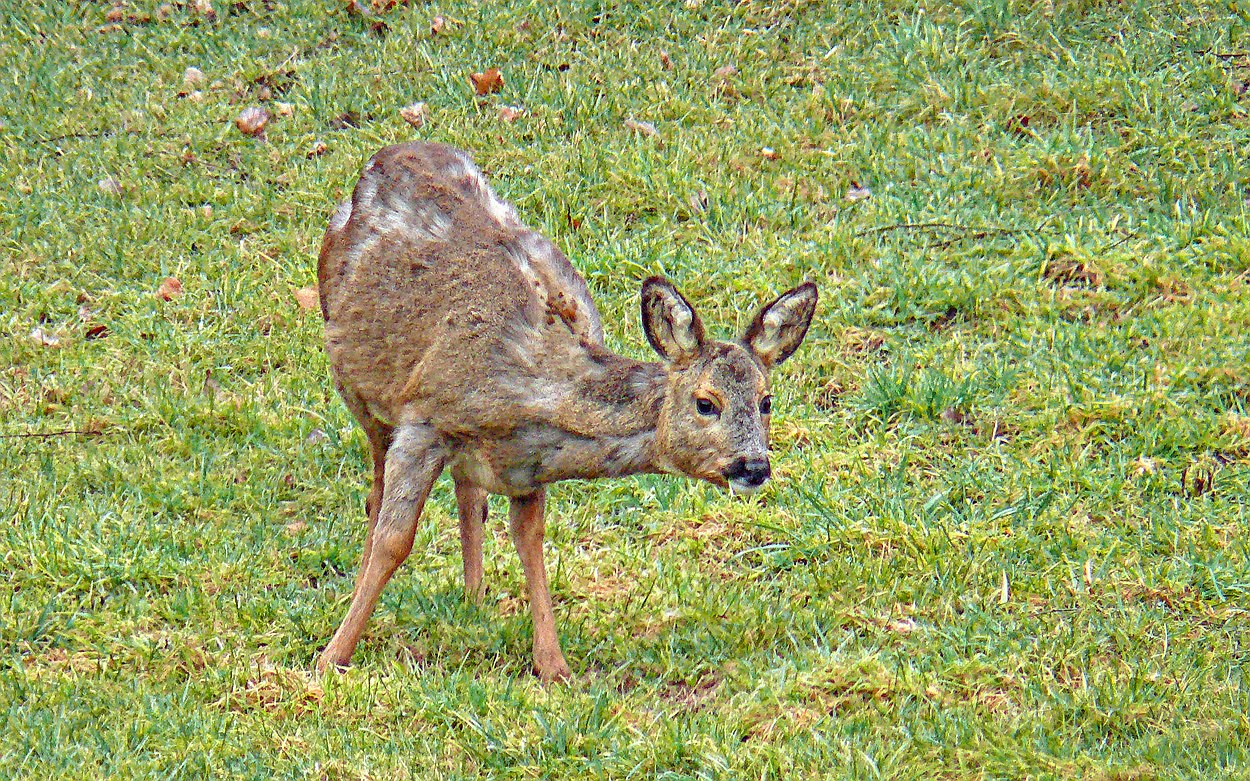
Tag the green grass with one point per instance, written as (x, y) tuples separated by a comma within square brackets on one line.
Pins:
[(1008, 538)]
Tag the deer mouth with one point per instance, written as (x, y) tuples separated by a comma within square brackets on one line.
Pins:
[(747, 475)]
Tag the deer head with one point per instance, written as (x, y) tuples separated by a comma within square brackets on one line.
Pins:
[(713, 422)]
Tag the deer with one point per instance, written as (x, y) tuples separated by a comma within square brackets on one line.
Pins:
[(461, 340)]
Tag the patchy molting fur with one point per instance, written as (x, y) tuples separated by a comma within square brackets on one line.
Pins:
[(460, 339)]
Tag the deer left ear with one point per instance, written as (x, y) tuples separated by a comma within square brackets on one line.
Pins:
[(779, 328), (669, 321)]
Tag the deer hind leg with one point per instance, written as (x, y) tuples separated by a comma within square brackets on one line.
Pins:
[(380, 436), (528, 527), (471, 504), (413, 461)]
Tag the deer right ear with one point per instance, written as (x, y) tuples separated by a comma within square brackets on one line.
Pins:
[(668, 320)]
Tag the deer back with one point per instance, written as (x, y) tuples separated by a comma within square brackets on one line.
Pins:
[(438, 300)]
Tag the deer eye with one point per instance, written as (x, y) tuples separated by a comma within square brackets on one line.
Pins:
[(766, 405), (706, 406)]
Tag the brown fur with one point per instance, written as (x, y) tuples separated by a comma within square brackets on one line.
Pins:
[(460, 339)]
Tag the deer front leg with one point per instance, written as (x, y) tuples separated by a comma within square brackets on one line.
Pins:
[(413, 461), (471, 504), (528, 527)]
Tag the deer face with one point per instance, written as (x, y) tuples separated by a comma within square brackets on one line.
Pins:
[(713, 424)]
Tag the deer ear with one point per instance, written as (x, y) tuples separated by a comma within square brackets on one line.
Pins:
[(779, 328), (668, 320)]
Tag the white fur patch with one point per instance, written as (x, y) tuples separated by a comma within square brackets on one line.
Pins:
[(500, 211), (682, 319), (769, 338), (341, 215)]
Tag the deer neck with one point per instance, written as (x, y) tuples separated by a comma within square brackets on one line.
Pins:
[(609, 419)]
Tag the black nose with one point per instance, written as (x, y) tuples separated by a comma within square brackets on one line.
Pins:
[(752, 471)]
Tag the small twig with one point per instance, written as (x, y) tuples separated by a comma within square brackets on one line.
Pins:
[(1224, 55), (1127, 235), (46, 434), (984, 234), (909, 226)]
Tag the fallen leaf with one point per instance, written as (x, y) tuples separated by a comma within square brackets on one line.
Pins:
[(642, 128), (510, 113), (205, 9), (725, 71), (170, 289), (296, 528), (308, 298), (115, 14), (192, 76), (317, 149), (251, 121), (487, 82), (415, 115), (44, 338), (436, 25), (345, 120), (665, 60), (902, 626), (768, 153), (1019, 124), (1067, 270), (97, 332), (857, 192), (110, 186), (284, 109)]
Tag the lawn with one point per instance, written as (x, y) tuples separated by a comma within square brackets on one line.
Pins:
[(1007, 536)]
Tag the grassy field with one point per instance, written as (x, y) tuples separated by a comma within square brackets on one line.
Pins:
[(1008, 534)]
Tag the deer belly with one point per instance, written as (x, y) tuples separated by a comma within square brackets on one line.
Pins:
[(487, 466)]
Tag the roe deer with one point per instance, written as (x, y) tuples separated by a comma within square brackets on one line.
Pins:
[(461, 339)]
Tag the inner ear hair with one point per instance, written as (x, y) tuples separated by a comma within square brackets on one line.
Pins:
[(670, 323), (780, 326)]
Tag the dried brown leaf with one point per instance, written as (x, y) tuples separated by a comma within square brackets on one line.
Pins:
[(857, 192), (665, 60), (641, 128), (510, 113), (317, 149), (487, 82), (768, 153), (251, 121), (415, 114), (169, 289), (437, 24), (110, 186), (307, 298), (44, 338)]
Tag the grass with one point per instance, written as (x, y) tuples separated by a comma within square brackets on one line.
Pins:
[(1008, 534)]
